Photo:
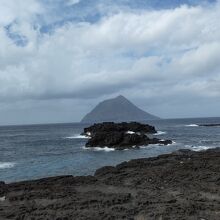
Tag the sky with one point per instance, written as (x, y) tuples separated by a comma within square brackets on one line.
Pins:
[(59, 58)]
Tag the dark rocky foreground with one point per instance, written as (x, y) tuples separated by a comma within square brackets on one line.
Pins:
[(121, 135), (181, 185)]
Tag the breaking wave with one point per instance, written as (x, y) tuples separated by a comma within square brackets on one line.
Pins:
[(6, 165), (160, 133), (201, 148), (106, 149), (77, 136), (157, 145), (192, 125), (2, 199)]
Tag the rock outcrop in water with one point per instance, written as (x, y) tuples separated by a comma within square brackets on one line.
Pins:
[(182, 185), (121, 135), (117, 110), (209, 125), (119, 127)]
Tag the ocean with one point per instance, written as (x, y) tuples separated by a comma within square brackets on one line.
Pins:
[(37, 151)]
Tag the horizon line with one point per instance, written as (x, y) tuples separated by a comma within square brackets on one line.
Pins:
[(60, 123)]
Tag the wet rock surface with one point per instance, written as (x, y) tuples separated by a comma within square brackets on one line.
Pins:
[(181, 185), (121, 135)]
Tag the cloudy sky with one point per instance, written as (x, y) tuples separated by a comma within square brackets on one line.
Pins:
[(58, 58)]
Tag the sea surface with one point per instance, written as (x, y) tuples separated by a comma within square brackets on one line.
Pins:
[(37, 151)]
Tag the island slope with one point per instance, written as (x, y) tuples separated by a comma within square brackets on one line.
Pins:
[(116, 110)]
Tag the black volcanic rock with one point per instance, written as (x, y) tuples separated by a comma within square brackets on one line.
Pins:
[(2, 188), (183, 185), (121, 140), (117, 140), (121, 135), (116, 110), (119, 127), (209, 125)]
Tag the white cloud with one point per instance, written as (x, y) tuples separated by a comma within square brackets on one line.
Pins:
[(174, 50), (19, 10), (72, 2)]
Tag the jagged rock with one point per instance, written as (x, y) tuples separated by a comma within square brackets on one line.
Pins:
[(121, 135), (119, 127), (2, 188)]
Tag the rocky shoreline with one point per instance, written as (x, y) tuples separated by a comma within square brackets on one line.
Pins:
[(181, 185)]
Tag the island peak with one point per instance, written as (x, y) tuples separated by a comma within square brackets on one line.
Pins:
[(117, 109)]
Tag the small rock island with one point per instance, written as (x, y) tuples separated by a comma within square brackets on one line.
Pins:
[(121, 136), (209, 125)]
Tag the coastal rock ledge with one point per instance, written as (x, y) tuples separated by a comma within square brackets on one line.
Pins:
[(121, 135), (183, 185)]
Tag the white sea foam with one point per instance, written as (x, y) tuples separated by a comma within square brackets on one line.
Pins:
[(77, 136), (201, 148), (130, 132), (160, 133), (173, 143), (157, 145), (2, 199), (106, 149), (6, 165), (192, 125)]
